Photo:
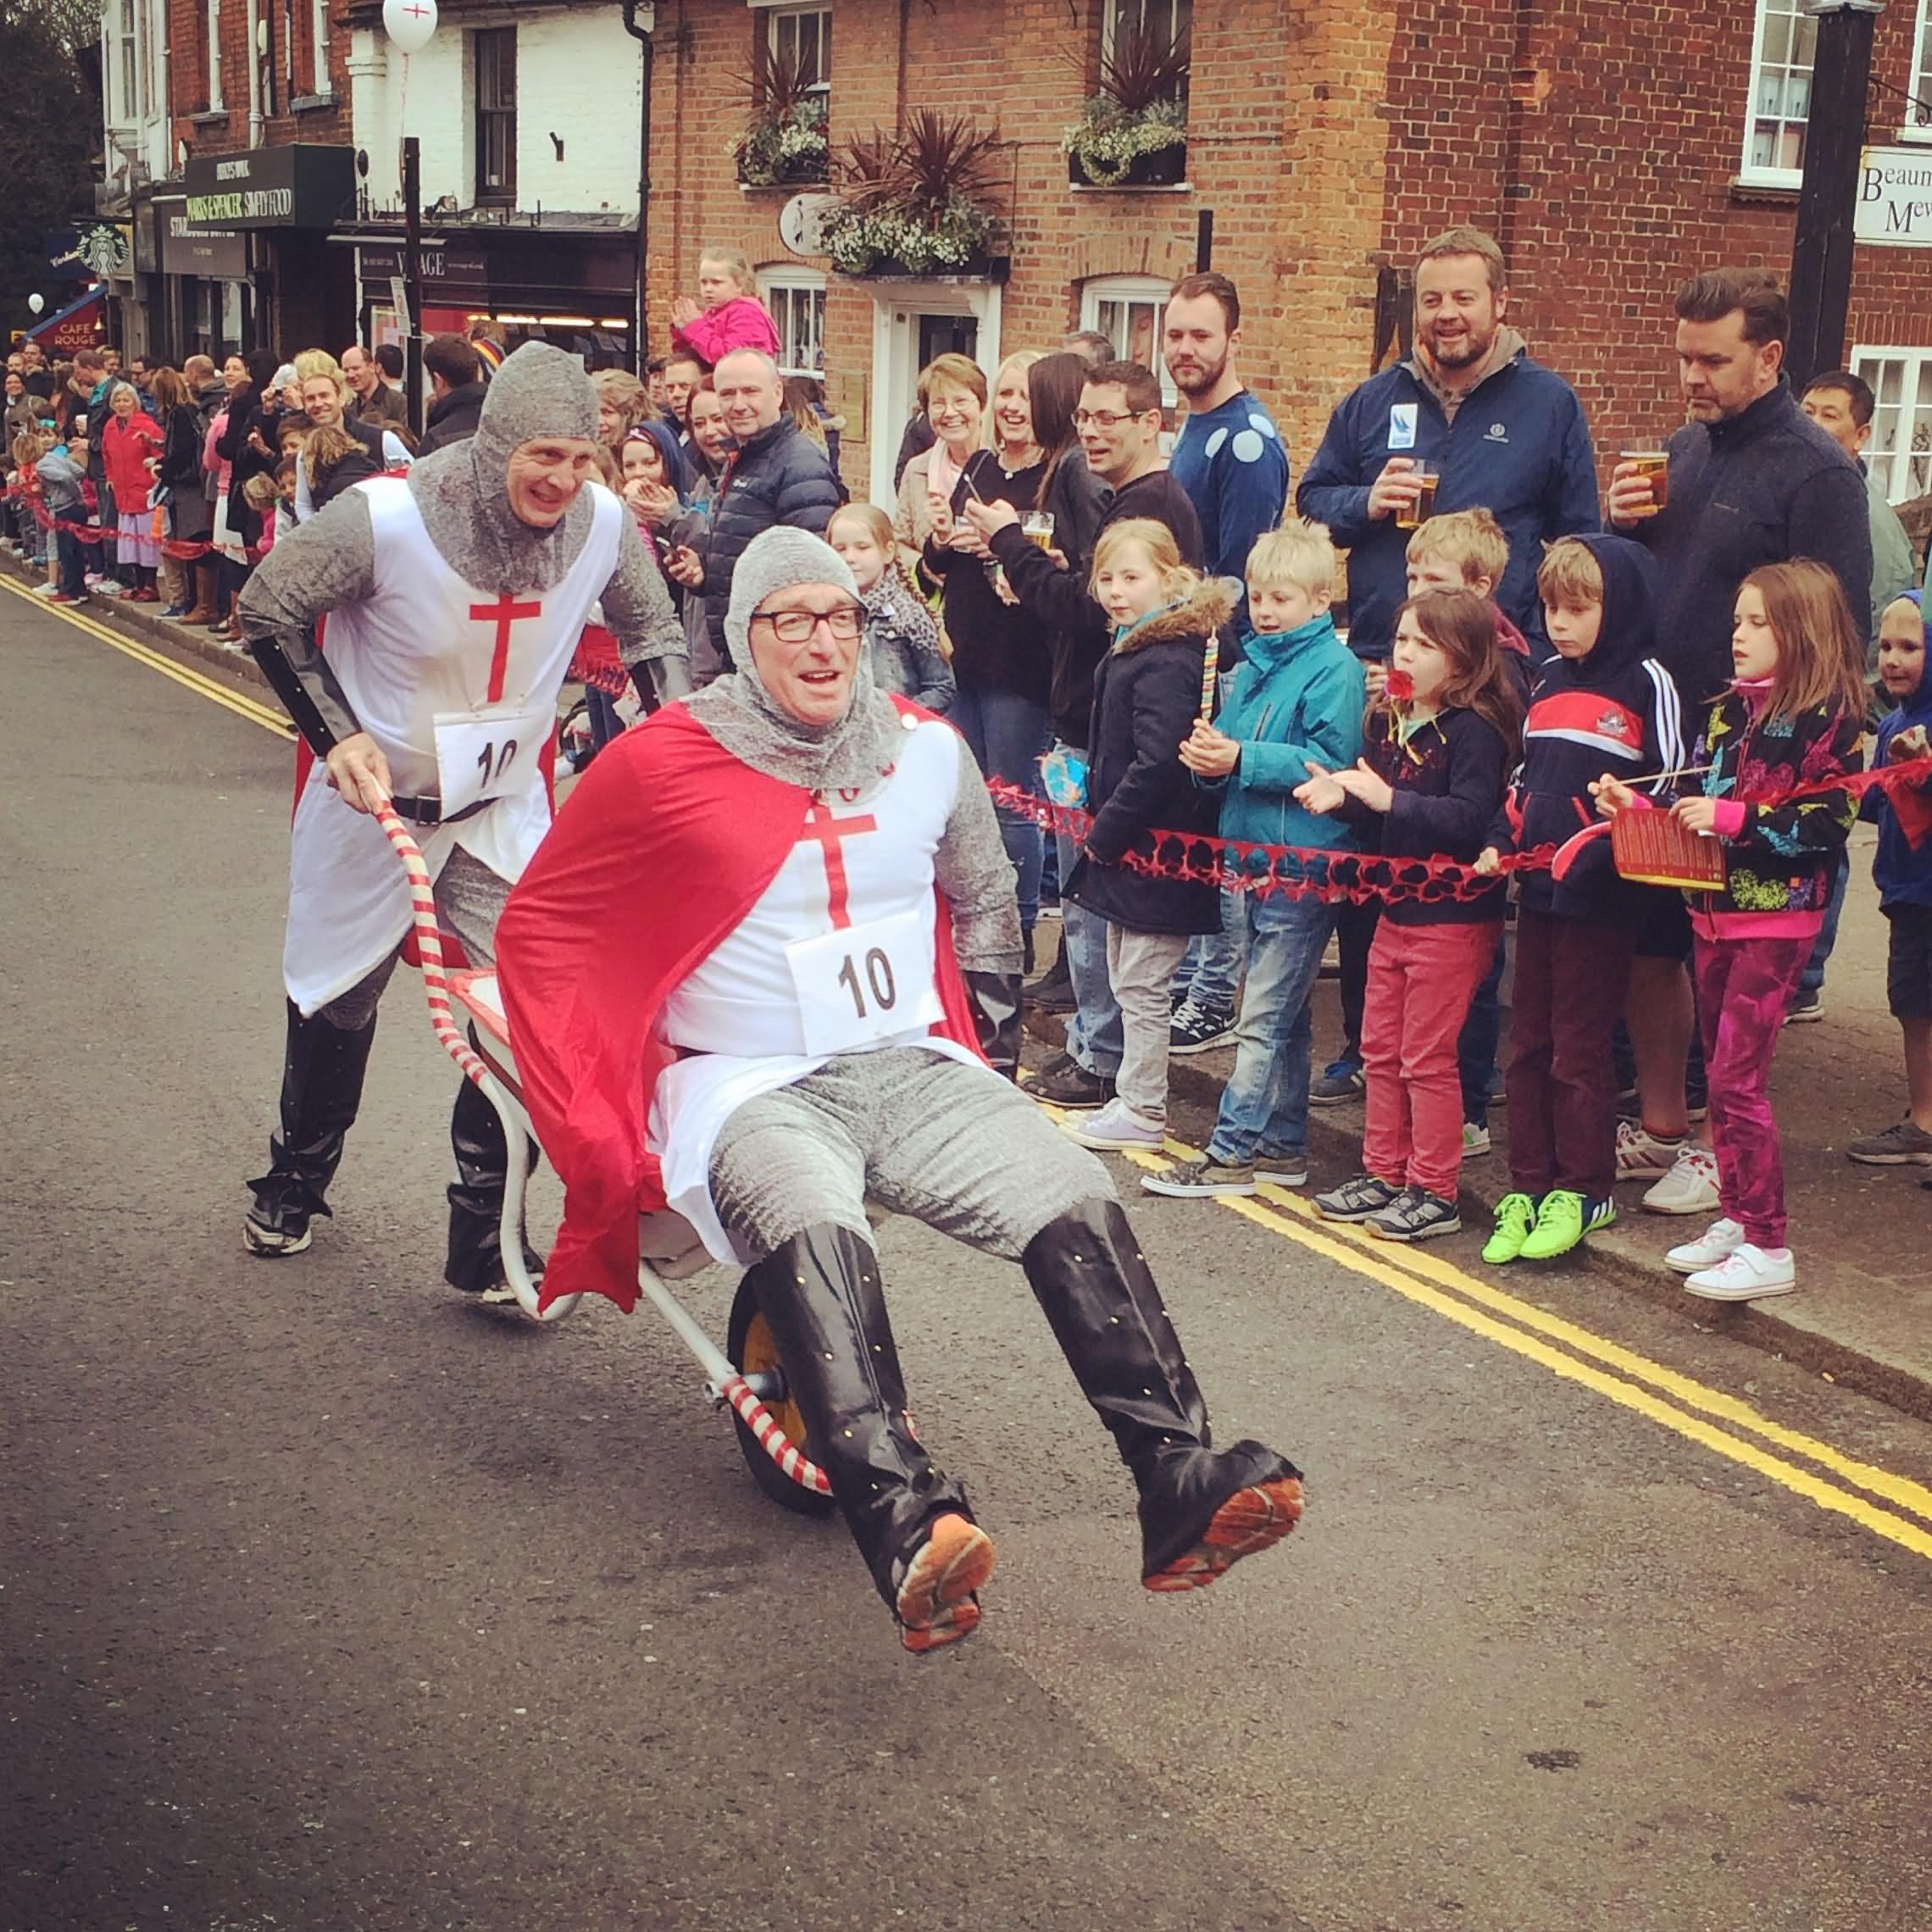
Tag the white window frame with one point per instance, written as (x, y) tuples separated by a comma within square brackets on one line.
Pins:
[(320, 84), (214, 101), (1919, 82), (1905, 418), (793, 283), (124, 66), (1748, 170), (1152, 290), (1177, 12), (774, 11)]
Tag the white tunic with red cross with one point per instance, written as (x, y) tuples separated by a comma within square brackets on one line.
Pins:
[(427, 647), (838, 955)]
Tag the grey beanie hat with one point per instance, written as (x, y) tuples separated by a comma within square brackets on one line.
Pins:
[(774, 560)]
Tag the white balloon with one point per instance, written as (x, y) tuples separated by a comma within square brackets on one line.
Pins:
[(410, 23), (36, 302)]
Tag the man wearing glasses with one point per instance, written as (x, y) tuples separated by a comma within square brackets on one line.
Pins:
[(1119, 425), (764, 971)]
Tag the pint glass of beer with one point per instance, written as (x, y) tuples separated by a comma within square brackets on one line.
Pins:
[(1653, 465), (1413, 516), (1037, 527)]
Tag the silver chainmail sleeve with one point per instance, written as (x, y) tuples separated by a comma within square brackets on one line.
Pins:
[(977, 878), (327, 561), (637, 606)]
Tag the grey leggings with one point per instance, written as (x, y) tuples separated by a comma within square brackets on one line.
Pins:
[(956, 1147), (469, 901)]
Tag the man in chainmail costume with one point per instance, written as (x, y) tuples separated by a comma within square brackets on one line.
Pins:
[(454, 598), (735, 997)]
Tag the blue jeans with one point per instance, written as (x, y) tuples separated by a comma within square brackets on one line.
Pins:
[(1813, 979), (1264, 1107), (1094, 1035), (1211, 975), (1009, 734), (1475, 1049)]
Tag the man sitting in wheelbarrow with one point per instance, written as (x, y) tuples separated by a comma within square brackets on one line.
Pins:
[(733, 994)]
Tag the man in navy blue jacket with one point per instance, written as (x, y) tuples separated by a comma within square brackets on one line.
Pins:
[(1506, 434)]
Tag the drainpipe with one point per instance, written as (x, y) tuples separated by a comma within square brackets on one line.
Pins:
[(641, 23)]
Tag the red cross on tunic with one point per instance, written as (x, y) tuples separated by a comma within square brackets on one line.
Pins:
[(503, 612), (823, 828)]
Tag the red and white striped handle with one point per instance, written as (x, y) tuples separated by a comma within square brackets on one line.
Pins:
[(429, 945)]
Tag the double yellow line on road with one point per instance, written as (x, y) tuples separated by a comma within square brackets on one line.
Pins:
[(213, 689), (1721, 1424)]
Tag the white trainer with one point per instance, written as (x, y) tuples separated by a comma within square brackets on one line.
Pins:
[(1747, 1274), (1114, 1128), (1689, 1188), (1720, 1239), (1642, 1155)]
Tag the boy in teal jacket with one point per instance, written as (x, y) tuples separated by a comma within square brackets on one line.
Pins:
[(1296, 703)]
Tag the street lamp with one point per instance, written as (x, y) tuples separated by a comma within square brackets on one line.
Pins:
[(409, 24)]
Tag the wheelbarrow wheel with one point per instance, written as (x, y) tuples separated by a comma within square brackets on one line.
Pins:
[(752, 1348)]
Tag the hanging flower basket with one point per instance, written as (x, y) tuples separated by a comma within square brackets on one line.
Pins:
[(783, 150)]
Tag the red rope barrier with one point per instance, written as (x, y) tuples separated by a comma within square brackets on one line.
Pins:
[(183, 550)]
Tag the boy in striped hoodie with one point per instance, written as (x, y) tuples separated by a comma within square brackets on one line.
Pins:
[(1602, 706)]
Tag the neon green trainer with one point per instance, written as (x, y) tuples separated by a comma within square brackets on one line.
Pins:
[(1515, 1216), (1563, 1219)]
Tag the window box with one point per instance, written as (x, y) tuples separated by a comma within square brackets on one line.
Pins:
[(786, 149), (1162, 168)]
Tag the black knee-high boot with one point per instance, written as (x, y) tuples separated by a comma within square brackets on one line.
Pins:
[(476, 1259), (822, 1296), (1105, 1312), (323, 1067)]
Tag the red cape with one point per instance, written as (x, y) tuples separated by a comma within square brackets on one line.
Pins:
[(665, 845)]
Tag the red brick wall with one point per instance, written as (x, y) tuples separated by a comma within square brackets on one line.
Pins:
[(187, 39), (1601, 143), (1599, 139)]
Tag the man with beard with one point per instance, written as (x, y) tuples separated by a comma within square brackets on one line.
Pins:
[(1229, 457), (1503, 433), (754, 979), (455, 597)]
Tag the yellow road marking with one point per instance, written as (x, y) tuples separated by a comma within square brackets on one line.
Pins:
[(1446, 1290), (268, 718)]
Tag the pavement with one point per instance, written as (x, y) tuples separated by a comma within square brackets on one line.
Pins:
[(330, 1603), (1863, 1314)]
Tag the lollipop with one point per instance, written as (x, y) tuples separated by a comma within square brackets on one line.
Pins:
[(1399, 687), (1210, 665)]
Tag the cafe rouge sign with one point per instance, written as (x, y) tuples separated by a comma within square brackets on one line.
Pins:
[(305, 184)]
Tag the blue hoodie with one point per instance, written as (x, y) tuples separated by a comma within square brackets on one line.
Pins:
[(1616, 711), (1297, 695), (1903, 875)]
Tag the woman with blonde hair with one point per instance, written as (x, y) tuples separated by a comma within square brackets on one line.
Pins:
[(623, 402), (727, 314)]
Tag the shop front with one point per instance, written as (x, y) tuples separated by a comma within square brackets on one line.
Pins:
[(281, 203), (574, 291), (208, 299)]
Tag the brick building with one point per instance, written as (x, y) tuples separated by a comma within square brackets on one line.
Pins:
[(1612, 144)]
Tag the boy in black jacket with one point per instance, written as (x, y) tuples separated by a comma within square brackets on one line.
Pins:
[(1602, 705)]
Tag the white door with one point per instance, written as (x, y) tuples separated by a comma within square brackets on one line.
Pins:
[(910, 322)]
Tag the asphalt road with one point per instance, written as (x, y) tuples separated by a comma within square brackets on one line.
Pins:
[(327, 1602)]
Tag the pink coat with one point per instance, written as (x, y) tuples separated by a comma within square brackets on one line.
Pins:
[(742, 323)]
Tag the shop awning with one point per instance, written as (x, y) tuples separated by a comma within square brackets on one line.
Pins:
[(73, 327)]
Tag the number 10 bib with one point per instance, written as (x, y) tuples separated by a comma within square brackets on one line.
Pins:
[(864, 984)]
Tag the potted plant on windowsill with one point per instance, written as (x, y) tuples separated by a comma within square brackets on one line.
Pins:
[(916, 202), (784, 144), (1133, 133)]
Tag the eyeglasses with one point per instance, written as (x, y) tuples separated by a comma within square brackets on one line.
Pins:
[(796, 626), (1103, 418)]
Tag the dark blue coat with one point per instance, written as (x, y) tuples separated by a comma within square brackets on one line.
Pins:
[(1519, 448)]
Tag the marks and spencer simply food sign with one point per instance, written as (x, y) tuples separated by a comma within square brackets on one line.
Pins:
[(305, 185), (1895, 198)]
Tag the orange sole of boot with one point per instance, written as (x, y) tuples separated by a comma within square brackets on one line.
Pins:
[(936, 1605), (1250, 1521)]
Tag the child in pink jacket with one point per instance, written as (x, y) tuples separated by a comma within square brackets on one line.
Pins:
[(731, 316)]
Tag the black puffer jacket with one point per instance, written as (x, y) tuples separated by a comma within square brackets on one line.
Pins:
[(1146, 694), (452, 418), (777, 476)]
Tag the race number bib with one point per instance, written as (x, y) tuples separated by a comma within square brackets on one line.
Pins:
[(488, 753), (865, 984)]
